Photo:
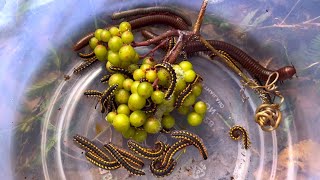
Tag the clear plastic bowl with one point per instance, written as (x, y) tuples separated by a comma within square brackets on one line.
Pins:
[(41, 109)]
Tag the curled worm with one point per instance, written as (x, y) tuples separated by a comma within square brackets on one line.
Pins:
[(236, 132)]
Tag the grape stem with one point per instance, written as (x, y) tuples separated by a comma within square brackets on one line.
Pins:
[(155, 49)]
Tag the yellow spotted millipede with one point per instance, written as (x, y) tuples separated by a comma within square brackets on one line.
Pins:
[(236, 132), (173, 77), (193, 139), (186, 92), (148, 153)]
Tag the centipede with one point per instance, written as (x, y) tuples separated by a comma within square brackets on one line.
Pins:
[(193, 138), (150, 10), (149, 153), (86, 56), (186, 91), (236, 132), (173, 77), (105, 78), (96, 160), (116, 155), (90, 146), (158, 171), (86, 64), (173, 149), (121, 71), (129, 157)]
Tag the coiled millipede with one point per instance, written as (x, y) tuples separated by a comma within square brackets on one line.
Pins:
[(236, 132)]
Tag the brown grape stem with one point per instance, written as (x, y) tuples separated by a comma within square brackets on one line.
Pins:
[(198, 23)]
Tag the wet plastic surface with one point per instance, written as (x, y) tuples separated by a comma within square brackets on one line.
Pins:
[(41, 108)]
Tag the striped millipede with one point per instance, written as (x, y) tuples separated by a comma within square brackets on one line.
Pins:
[(148, 10), (148, 153), (121, 71), (173, 77), (96, 160), (246, 61), (106, 96), (138, 23), (88, 145), (158, 171), (116, 155), (168, 156), (88, 55), (186, 92), (193, 138), (86, 64), (236, 132), (105, 78)]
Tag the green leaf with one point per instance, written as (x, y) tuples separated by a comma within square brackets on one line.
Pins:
[(248, 18), (37, 88)]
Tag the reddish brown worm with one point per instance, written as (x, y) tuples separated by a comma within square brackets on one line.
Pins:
[(246, 61), (151, 10), (170, 20)]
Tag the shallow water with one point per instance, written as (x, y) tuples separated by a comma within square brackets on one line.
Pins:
[(41, 111)]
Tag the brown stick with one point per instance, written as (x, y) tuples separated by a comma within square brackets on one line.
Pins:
[(157, 39), (197, 26)]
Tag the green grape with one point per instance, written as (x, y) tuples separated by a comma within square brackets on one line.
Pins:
[(125, 64), (133, 67), (122, 96), (101, 52), (134, 87), (140, 136), (136, 58), (93, 42), (181, 84), (200, 107), (184, 110), (114, 31), (136, 102), (127, 53), (169, 104), (189, 75), (123, 109), (190, 100), (194, 119), (97, 34), (108, 64), (121, 123), (116, 79), (148, 60), (168, 121), (127, 83), (114, 58), (138, 74), (110, 116), (115, 43), (197, 89), (105, 35), (186, 65), (152, 125), (138, 118), (145, 67), (151, 75), (164, 76), (145, 90), (127, 37), (129, 133), (125, 26), (157, 97)]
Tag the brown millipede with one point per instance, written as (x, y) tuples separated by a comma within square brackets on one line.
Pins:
[(86, 64), (236, 132), (149, 10), (88, 55), (158, 171), (149, 153), (96, 160)]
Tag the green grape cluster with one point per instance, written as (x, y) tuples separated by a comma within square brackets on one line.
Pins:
[(143, 108)]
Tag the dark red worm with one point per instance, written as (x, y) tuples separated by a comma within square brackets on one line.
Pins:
[(246, 61), (151, 10), (170, 20)]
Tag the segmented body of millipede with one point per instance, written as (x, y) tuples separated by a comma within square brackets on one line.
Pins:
[(149, 153), (173, 78), (86, 64), (186, 92), (236, 132)]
